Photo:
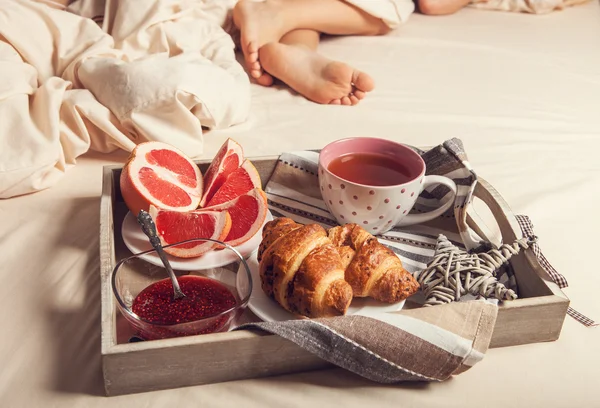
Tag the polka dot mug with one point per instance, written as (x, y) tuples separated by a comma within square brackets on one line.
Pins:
[(377, 208)]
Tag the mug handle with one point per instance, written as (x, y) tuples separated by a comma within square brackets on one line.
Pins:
[(412, 219)]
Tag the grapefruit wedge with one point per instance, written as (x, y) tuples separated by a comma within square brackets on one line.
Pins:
[(177, 226), (228, 159), (242, 180), (159, 174), (248, 213)]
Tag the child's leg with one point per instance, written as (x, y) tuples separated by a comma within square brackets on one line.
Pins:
[(262, 22), (310, 39), (304, 38), (441, 7), (294, 61)]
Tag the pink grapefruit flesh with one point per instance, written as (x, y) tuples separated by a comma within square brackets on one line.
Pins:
[(175, 226), (242, 180), (228, 159), (161, 175), (172, 196), (172, 161), (248, 213)]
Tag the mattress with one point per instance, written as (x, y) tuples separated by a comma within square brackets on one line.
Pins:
[(520, 91)]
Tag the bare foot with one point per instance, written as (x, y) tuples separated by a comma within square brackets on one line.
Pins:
[(317, 78), (259, 23)]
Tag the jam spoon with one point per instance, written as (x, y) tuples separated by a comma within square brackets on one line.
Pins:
[(149, 228)]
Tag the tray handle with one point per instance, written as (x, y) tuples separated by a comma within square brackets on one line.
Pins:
[(507, 221), (510, 231)]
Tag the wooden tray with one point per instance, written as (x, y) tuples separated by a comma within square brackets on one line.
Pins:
[(536, 316)]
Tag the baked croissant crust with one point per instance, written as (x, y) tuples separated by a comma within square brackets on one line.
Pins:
[(302, 270), (374, 270)]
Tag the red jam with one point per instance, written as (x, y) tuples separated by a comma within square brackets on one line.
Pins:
[(204, 298)]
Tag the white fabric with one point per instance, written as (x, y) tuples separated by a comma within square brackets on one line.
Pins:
[(160, 70), (392, 12), (526, 6)]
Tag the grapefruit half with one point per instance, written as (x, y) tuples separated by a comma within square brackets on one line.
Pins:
[(159, 174), (248, 213), (228, 159), (240, 181), (177, 226)]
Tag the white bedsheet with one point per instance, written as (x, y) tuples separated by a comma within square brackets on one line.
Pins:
[(522, 93)]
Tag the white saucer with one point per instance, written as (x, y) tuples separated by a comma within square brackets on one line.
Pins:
[(268, 310), (136, 241)]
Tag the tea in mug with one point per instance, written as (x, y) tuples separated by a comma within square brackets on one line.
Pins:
[(372, 169)]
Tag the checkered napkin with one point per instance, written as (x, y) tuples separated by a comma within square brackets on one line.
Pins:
[(417, 344)]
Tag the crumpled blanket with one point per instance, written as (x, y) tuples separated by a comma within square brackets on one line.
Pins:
[(155, 70)]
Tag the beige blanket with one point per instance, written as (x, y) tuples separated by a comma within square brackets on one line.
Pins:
[(160, 70)]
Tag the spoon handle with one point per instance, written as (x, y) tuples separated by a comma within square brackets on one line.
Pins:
[(149, 228)]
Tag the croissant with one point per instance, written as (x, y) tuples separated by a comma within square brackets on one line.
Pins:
[(302, 270), (373, 270), (272, 231)]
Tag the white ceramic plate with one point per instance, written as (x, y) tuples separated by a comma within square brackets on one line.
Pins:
[(136, 241), (268, 310)]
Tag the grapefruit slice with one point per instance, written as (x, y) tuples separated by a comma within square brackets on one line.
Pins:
[(242, 180), (228, 159), (177, 226), (247, 212), (159, 174)]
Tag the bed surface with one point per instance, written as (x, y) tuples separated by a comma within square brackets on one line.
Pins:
[(523, 94)]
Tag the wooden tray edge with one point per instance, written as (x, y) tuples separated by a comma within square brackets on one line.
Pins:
[(527, 310)]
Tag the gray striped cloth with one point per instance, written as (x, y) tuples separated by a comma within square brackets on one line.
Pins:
[(417, 344), (424, 344)]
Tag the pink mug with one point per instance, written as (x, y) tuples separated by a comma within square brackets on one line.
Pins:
[(378, 208)]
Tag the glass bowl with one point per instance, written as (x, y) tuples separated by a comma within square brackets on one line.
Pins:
[(222, 292)]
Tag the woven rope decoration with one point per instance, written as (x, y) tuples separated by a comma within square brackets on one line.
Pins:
[(454, 272)]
